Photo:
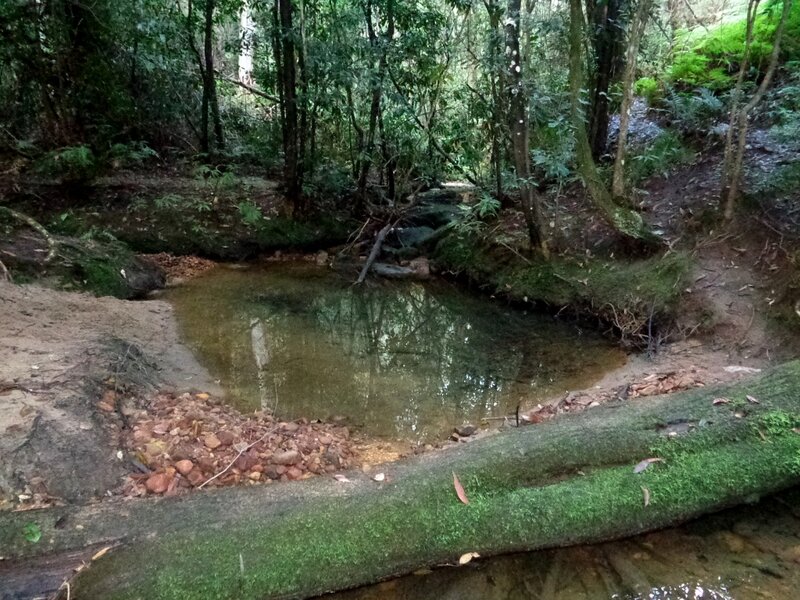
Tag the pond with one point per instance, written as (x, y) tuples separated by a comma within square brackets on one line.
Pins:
[(399, 360)]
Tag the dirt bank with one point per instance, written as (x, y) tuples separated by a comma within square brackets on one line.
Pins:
[(60, 353)]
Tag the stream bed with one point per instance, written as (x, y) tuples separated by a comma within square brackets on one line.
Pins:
[(407, 361)]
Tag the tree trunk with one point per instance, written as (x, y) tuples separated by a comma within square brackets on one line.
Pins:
[(732, 167), (636, 31), (606, 39), (291, 147), (626, 222), (210, 85), (567, 481), (520, 135), (377, 93), (247, 29)]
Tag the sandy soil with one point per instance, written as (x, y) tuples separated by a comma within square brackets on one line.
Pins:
[(60, 353)]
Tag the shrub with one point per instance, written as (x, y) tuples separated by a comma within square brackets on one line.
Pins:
[(650, 90), (663, 154), (71, 164)]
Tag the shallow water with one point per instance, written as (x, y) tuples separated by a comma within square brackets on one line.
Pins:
[(747, 553), (399, 360)]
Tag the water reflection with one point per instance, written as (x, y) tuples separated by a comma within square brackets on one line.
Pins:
[(401, 360), (748, 553)]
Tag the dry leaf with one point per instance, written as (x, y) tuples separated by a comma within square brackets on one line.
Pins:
[(720, 401), (379, 477), (752, 400), (646, 493), (465, 558), (341, 478), (646, 463), (460, 490), (101, 553)]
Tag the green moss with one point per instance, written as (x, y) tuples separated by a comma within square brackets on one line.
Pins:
[(625, 293)]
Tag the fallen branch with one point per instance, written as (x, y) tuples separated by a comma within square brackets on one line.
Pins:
[(253, 90), (36, 226), (376, 248), (6, 273)]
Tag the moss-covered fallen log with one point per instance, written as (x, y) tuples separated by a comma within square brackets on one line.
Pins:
[(568, 481)]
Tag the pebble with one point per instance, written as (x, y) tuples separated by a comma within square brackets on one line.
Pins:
[(466, 430), (212, 441), (184, 466), (289, 457), (158, 483)]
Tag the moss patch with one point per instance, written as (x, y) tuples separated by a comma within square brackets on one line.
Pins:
[(628, 294)]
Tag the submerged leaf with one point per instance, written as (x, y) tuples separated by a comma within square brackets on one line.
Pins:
[(32, 532), (465, 558), (462, 495), (646, 493), (718, 401), (752, 400)]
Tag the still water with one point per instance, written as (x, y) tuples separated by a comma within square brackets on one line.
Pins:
[(398, 360)]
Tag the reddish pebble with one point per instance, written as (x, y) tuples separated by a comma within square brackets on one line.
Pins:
[(158, 483), (184, 466)]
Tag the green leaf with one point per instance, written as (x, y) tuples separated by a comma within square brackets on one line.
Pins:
[(32, 532)]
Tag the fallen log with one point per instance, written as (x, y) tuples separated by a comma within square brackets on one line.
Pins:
[(577, 479)]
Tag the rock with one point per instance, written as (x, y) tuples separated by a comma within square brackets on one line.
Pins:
[(290, 427), (271, 471), (332, 457), (196, 477), (158, 483), (421, 267), (105, 407), (154, 449), (325, 440), (321, 258), (254, 476), (182, 451), (226, 438), (184, 466), (212, 441), (294, 473), (466, 430), (142, 436), (289, 457), (206, 463)]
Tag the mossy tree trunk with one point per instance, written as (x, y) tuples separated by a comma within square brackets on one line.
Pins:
[(568, 481), (625, 221)]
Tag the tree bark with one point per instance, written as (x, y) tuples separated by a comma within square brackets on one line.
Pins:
[(606, 39), (520, 135), (636, 31), (732, 167), (291, 142), (626, 222), (210, 83), (567, 481)]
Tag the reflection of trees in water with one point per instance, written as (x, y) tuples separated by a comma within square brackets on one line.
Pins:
[(399, 358)]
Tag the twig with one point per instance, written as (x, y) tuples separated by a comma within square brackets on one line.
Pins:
[(242, 451)]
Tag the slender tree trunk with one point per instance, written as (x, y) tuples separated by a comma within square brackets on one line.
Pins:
[(607, 43), (303, 99), (292, 173), (626, 222), (247, 28), (732, 168), (636, 30), (211, 80), (520, 137)]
